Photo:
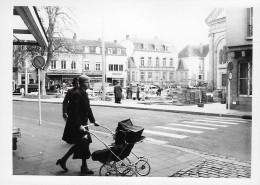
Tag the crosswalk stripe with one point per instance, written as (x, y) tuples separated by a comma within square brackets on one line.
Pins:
[(208, 124), (151, 140), (165, 134), (224, 122), (180, 129), (228, 119), (192, 126)]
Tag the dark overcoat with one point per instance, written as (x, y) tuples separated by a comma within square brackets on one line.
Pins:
[(118, 91), (79, 112), (67, 99)]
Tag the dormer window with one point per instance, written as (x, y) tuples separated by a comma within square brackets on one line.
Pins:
[(118, 51), (109, 51)]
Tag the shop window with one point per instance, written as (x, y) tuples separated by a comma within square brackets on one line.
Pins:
[(245, 78)]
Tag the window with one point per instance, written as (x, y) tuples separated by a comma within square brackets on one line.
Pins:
[(133, 76), (114, 51), (73, 65), (250, 22), (109, 51), (157, 61), (245, 78), (200, 65), (171, 76), (199, 77), (150, 76), (123, 51), (118, 51), (115, 67), (53, 64), (98, 67), (142, 61), (171, 62), (110, 67), (164, 61), (92, 49), (142, 76), (224, 80), (86, 67), (164, 76), (149, 61), (157, 77), (63, 64), (121, 68)]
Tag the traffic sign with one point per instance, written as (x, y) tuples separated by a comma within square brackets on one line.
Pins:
[(230, 76), (230, 66), (38, 62)]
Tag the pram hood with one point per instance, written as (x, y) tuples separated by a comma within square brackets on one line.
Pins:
[(128, 132)]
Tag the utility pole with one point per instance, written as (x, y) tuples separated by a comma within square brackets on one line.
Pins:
[(103, 60)]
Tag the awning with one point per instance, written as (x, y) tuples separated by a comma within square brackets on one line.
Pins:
[(28, 29)]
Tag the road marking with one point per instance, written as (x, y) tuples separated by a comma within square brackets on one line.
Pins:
[(228, 118), (224, 122), (208, 124), (192, 126), (180, 129), (155, 141), (217, 119), (165, 134)]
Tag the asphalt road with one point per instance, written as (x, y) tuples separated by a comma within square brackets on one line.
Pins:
[(215, 135)]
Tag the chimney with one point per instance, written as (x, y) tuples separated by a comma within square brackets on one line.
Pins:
[(115, 41), (75, 36), (201, 48), (127, 37)]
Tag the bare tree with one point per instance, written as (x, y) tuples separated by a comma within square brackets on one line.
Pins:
[(58, 22)]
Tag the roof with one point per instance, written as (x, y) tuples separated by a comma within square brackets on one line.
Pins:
[(194, 51), (154, 41), (28, 29), (131, 63), (99, 43)]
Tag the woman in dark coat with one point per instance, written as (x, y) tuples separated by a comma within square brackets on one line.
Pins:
[(79, 112)]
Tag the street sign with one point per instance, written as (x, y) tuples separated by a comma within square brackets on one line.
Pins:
[(230, 66), (38, 62), (230, 76)]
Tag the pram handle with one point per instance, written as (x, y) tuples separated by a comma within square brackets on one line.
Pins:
[(92, 124)]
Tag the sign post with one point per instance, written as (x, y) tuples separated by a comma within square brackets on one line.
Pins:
[(38, 62), (230, 68)]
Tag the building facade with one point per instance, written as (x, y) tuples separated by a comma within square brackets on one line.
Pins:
[(191, 65), (150, 61), (217, 68), (239, 24)]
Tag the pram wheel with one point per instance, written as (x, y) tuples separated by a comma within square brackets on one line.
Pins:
[(107, 170), (122, 165), (142, 167)]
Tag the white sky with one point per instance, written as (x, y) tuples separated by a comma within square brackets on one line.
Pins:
[(174, 21)]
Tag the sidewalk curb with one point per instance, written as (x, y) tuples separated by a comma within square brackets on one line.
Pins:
[(161, 110)]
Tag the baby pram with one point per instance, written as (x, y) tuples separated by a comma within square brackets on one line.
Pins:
[(114, 157)]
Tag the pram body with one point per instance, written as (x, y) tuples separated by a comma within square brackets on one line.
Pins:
[(114, 156)]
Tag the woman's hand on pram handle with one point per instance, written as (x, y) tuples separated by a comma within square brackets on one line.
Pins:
[(96, 124), (82, 128)]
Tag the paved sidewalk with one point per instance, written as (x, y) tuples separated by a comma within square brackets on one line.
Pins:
[(214, 109)]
